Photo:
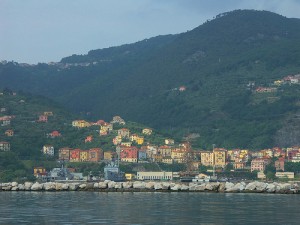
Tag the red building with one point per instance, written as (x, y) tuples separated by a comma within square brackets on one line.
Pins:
[(129, 154), (54, 134), (75, 155)]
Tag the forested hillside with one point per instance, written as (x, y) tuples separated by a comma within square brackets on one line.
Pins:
[(203, 81)]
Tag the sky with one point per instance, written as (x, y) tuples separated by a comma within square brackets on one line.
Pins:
[(33, 31)]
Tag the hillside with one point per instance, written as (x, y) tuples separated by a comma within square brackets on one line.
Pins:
[(219, 65), (22, 126)]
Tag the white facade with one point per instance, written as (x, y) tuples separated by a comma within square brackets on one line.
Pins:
[(48, 150), (155, 175)]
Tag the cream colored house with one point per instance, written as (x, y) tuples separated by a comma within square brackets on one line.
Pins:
[(155, 175)]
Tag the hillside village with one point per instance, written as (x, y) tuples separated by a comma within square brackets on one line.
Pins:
[(273, 87), (138, 145)]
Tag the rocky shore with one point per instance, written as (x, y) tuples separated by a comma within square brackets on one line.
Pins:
[(152, 186)]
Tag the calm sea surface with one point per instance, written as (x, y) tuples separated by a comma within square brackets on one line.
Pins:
[(147, 208)]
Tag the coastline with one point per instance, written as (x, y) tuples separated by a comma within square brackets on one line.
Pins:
[(155, 186)]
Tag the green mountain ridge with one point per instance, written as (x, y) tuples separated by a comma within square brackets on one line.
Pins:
[(215, 62)]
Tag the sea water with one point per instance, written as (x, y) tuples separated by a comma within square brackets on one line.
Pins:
[(147, 208)]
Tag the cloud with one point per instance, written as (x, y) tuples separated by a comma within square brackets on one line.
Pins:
[(52, 29)]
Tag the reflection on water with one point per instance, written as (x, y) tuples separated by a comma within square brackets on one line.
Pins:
[(147, 208)]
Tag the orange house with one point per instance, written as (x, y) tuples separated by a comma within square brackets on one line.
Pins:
[(54, 134)]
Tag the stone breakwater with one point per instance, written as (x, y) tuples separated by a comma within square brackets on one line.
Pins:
[(149, 186)]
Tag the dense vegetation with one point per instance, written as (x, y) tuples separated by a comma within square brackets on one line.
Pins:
[(215, 62)]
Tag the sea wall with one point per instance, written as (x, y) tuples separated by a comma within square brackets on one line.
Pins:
[(149, 186)]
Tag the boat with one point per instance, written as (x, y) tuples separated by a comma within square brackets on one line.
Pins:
[(112, 172)]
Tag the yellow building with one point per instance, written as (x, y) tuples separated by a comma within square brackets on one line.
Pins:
[(278, 82), (109, 155), (220, 156), (48, 113), (38, 171), (178, 155), (207, 158), (140, 140), (129, 176), (157, 158), (84, 156), (80, 123)]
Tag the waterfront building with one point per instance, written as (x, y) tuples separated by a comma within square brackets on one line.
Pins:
[(288, 175), (261, 175), (220, 156), (39, 172), (207, 158), (155, 175), (169, 141), (259, 164), (129, 176)]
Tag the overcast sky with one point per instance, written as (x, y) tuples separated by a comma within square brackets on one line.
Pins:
[(34, 31)]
